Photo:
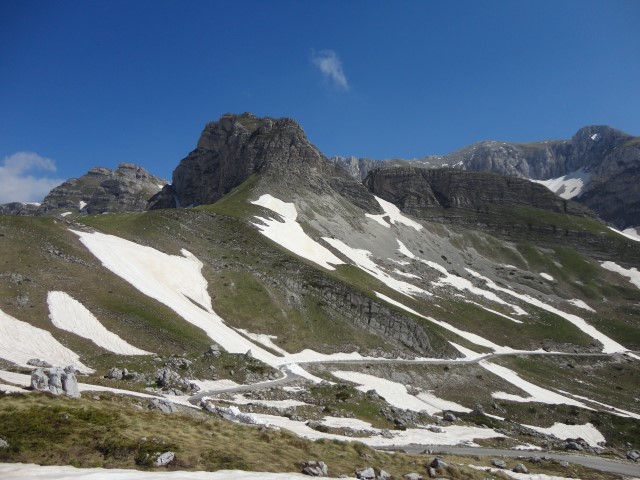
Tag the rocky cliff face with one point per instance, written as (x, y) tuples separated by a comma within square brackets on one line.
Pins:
[(609, 158), (237, 146), (413, 189), (127, 188)]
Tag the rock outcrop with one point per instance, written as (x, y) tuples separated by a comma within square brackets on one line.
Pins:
[(238, 146), (127, 188), (56, 381), (415, 189), (609, 158)]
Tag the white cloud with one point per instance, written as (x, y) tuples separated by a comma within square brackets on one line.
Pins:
[(330, 66), (17, 182)]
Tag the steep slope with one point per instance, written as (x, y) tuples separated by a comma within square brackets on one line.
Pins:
[(235, 147)]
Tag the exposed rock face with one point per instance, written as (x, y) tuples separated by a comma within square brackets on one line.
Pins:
[(609, 156), (127, 188), (414, 189), (238, 146)]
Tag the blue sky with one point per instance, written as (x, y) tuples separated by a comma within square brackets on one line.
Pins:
[(86, 83)]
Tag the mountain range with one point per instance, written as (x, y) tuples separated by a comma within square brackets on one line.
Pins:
[(325, 299)]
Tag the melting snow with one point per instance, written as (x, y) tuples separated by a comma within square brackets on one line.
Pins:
[(631, 273), (20, 342), (472, 337), (536, 393), (546, 276), (630, 233), (458, 282), (81, 205), (587, 432), (393, 214), (64, 214), (567, 186), (609, 345), (580, 304), (68, 314), (362, 259), (289, 234), (266, 340), (36, 472), (279, 404), (396, 394)]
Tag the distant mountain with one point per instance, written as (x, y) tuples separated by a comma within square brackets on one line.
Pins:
[(598, 167), (128, 188)]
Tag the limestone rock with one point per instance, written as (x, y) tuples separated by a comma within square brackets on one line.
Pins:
[(633, 455), (438, 463), (412, 476), (366, 474), (3, 443), (115, 373), (164, 459), (237, 146), (36, 362), (449, 417), (520, 468), (163, 405), (70, 383), (55, 380), (496, 462), (125, 189), (39, 380), (315, 469)]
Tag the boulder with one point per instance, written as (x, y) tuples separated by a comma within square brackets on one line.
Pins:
[(384, 475), (633, 455), (70, 383), (36, 362), (449, 417), (438, 463), (573, 446), (315, 469), (366, 474), (496, 462), (520, 468), (39, 380), (412, 476), (165, 459), (535, 459), (115, 373), (55, 380), (214, 349), (163, 405)]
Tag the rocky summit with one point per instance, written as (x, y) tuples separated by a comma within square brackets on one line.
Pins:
[(236, 147), (125, 189)]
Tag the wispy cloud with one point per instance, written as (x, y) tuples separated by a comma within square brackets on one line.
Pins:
[(18, 182), (330, 66)]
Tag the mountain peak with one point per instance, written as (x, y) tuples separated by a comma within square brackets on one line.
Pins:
[(237, 146)]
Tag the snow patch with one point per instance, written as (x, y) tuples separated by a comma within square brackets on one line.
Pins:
[(289, 234), (546, 276), (631, 273), (472, 337), (580, 304), (396, 394), (393, 214), (363, 261), (36, 472), (68, 314), (630, 233), (587, 432), (568, 186), (536, 393), (20, 342), (64, 214), (609, 345), (457, 282), (81, 204)]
